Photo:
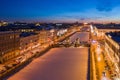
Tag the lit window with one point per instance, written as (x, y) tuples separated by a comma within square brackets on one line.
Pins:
[(11, 37)]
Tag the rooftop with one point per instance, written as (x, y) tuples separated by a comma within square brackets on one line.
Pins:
[(7, 32), (25, 34), (107, 26), (115, 36)]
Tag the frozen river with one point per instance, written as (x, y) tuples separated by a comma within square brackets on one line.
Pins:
[(83, 36), (57, 64)]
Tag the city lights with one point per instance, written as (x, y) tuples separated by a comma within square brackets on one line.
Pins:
[(60, 40)]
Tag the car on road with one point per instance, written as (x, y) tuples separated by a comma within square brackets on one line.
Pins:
[(104, 73), (23, 60), (2, 69), (20, 59)]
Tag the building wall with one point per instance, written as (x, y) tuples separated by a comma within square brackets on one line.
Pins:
[(113, 50), (28, 43), (9, 45), (43, 36), (101, 32), (2, 23), (109, 30)]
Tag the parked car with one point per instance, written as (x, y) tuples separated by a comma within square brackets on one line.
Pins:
[(104, 73), (2, 69)]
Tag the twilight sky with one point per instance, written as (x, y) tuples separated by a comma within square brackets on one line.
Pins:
[(60, 10)]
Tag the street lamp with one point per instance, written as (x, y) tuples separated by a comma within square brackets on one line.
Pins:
[(98, 51), (99, 58)]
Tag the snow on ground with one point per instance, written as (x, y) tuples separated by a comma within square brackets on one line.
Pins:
[(57, 64)]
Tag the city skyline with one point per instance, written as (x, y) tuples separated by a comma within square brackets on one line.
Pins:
[(60, 10), (60, 40)]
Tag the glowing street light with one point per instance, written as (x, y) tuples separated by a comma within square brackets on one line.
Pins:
[(99, 58), (98, 50)]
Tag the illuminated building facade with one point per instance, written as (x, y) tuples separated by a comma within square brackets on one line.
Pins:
[(100, 31), (9, 45), (112, 48), (3, 23), (44, 36), (28, 42)]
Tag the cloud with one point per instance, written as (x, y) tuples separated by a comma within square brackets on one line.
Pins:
[(106, 5)]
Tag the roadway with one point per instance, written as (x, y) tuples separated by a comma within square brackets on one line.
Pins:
[(100, 59), (58, 64)]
